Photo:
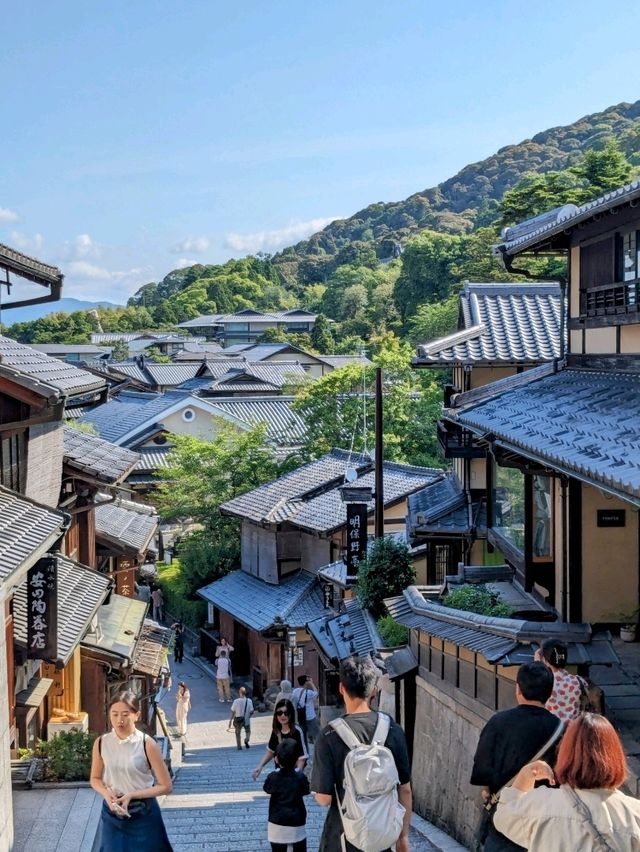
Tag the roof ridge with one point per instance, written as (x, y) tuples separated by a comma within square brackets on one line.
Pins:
[(452, 339)]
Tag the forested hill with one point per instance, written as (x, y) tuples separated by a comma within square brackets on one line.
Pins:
[(464, 202)]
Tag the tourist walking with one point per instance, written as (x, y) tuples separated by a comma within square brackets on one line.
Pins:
[(128, 771), (511, 739), (183, 705), (588, 812), (358, 679), (157, 600), (566, 698), (178, 641), (223, 677), (241, 713), (283, 727), (285, 691), (286, 788), (304, 699)]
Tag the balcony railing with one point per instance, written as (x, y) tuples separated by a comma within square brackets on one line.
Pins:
[(611, 299), (458, 443)]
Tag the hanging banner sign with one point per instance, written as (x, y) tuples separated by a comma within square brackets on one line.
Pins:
[(356, 537), (42, 610), (327, 593)]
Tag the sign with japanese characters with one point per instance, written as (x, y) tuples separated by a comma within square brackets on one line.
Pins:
[(125, 577), (356, 537), (327, 594), (42, 610)]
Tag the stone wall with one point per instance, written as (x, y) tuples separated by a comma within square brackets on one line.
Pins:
[(445, 740)]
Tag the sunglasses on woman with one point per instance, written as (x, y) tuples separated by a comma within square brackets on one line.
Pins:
[(282, 712)]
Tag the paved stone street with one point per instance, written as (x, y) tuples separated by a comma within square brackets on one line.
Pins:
[(215, 804)]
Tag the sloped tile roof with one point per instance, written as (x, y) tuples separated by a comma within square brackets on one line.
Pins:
[(566, 218), (337, 361), (127, 525), (128, 411), (503, 323), (126, 368), (81, 591), (27, 531), (151, 649), (442, 508), (153, 458), (257, 604), (120, 624), (43, 374), (350, 633), (582, 422), (276, 373), (170, 375), (96, 457), (285, 427), (29, 267), (326, 471)]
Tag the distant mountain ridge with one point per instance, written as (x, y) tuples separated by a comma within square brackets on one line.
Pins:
[(33, 312), (465, 201)]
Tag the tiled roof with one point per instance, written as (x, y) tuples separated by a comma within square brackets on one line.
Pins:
[(64, 348), (96, 457), (127, 368), (151, 649), (325, 472), (153, 458), (81, 591), (257, 604), (119, 626), (276, 373), (29, 268), (337, 361), (584, 423), (114, 336), (511, 323), (27, 531), (130, 410), (327, 511), (167, 375), (285, 427), (506, 641), (350, 633), (442, 509), (126, 525), (566, 218), (47, 376), (248, 315)]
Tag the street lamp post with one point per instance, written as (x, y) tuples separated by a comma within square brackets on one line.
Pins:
[(292, 648)]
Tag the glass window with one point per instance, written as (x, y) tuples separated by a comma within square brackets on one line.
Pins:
[(542, 510), (509, 504), (629, 260)]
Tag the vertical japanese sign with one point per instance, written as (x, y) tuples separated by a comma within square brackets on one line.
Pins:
[(327, 593), (42, 610), (356, 537), (125, 577)]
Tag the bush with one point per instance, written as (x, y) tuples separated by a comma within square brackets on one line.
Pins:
[(477, 599), (66, 757), (386, 571), (177, 596), (392, 633)]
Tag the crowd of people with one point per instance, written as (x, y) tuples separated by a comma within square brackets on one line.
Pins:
[(550, 769)]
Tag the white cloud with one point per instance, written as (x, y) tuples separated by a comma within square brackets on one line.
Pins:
[(24, 242), (89, 270), (184, 261), (194, 244), (7, 215), (85, 246), (273, 240)]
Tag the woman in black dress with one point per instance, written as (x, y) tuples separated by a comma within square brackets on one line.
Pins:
[(283, 726)]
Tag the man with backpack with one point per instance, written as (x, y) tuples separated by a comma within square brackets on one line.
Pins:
[(304, 699), (372, 814)]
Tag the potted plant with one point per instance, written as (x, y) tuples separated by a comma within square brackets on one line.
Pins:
[(629, 624)]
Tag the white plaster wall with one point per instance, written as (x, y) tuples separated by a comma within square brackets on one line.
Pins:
[(630, 339), (600, 341)]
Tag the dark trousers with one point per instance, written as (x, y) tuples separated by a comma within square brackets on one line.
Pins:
[(300, 846), (178, 652)]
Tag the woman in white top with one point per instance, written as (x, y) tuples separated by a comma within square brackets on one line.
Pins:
[(183, 705), (588, 812), (129, 773)]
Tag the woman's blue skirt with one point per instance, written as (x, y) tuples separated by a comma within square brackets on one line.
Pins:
[(141, 832)]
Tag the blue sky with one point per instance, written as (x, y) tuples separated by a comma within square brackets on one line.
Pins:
[(142, 136)]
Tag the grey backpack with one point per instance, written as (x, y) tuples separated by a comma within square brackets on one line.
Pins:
[(371, 814)]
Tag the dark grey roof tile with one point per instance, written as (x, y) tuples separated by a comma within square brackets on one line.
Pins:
[(97, 458), (27, 531)]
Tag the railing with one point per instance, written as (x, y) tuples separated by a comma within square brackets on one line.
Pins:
[(610, 299)]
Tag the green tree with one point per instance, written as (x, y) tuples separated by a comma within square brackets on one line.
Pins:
[(434, 320), (119, 350), (321, 336), (387, 571), (426, 271), (603, 170), (537, 193)]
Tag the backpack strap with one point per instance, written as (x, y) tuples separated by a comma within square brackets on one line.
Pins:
[(382, 729), (345, 733)]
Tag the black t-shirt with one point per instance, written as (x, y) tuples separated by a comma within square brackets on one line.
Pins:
[(328, 768), (507, 743), (294, 734), (287, 789)]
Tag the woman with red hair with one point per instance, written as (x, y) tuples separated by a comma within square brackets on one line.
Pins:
[(587, 812)]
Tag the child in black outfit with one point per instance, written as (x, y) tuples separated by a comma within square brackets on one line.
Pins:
[(287, 787)]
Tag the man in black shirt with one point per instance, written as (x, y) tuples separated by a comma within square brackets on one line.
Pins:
[(357, 685), (512, 738)]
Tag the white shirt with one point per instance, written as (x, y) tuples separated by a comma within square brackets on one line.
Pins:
[(307, 701), (242, 708), (126, 768), (222, 667)]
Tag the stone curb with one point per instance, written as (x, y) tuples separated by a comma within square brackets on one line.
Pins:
[(435, 836)]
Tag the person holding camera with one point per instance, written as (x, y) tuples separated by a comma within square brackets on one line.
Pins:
[(304, 699)]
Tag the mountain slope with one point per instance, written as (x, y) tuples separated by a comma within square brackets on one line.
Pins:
[(467, 200)]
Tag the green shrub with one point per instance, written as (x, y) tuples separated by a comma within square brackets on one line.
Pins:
[(177, 596), (477, 599), (66, 757), (386, 571), (392, 633)]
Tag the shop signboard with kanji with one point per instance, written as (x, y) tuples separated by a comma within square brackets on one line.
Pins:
[(356, 537), (42, 610)]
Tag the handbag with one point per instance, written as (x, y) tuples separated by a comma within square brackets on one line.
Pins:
[(489, 807)]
